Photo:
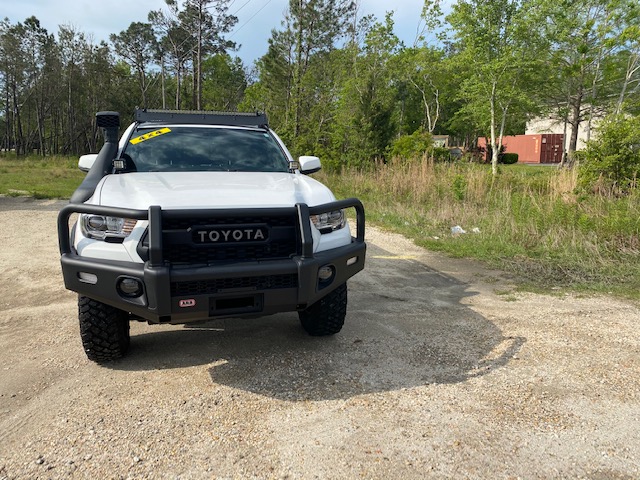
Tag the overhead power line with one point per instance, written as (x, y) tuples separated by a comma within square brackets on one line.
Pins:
[(251, 18), (244, 5)]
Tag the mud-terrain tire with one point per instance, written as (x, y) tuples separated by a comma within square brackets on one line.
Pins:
[(104, 330), (326, 316)]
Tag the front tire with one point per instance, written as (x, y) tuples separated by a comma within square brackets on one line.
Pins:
[(104, 330), (326, 316)]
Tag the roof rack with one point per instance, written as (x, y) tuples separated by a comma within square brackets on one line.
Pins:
[(237, 119)]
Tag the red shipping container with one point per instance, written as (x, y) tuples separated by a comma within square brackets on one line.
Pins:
[(540, 148)]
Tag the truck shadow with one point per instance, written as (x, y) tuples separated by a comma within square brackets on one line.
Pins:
[(407, 326)]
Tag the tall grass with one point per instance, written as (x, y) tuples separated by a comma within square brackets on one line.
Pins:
[(528, 220)]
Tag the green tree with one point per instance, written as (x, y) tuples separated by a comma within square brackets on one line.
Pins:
[(136, 46), (630, 45), (425, 71), (585, 37), (12, 58), (317, 25), (364, 124), (72, 44), (174, 46), (99, 83), (273, 92), (38, 47), (311, 30), (206, 21), (497, 45), (224, 82)]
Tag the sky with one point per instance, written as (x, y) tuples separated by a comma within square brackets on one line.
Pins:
[(256, 18)]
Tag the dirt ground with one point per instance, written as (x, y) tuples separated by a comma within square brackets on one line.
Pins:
[(441, 371)]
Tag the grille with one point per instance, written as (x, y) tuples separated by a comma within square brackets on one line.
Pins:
[(208, 287), (180, 250), (189, 255)]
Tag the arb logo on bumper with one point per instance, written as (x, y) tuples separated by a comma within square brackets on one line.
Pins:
[(187, 303)]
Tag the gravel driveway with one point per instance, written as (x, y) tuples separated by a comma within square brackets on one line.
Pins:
[(441, 371)]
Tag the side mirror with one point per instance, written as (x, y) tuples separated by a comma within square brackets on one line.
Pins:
[(309, 164), (86, 161)]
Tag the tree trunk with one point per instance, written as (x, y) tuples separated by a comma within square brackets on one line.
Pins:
[(563, 159), (162, 83), (298, 72), (198, 76), (40, 122), (194, 83), (7, 118), (18, 136), (575, 126), (69, 115), (593, 98), (495, 148), (143, 86), (178, 86), (632, 67)]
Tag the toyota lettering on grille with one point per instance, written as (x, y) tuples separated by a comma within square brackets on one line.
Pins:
[(233, 234)]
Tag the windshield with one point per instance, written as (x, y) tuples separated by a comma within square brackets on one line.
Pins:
[(203, 149)]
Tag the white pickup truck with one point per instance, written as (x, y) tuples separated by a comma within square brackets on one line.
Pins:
[(198, 215)]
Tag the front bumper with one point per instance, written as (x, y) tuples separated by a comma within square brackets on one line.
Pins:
[(180, 295)]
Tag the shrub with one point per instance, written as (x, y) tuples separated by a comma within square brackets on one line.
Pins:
[(611, 164), (441, 154), (459, 187), (508, 158), (412, 146)]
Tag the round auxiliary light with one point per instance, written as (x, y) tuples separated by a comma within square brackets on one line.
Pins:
[(326, 273), (130, 287)]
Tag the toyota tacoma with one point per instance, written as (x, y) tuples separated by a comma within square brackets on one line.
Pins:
[(191, 216)]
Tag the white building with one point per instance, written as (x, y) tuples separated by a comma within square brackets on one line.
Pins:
[(551, 125)]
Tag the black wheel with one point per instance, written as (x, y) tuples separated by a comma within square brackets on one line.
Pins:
[(326, 316), (104, 330)]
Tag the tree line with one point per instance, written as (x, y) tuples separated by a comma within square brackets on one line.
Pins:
[(333, 82)]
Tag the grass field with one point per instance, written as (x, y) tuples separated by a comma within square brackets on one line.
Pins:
[(529, 220), (51, 177)]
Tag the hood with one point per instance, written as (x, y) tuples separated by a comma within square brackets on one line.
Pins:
[(177, 190)]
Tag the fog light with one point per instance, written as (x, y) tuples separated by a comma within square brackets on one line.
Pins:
[(326, 273), (130, 287)]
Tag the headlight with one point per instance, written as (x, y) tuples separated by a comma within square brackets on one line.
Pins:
[(329, 222), (100, 227)]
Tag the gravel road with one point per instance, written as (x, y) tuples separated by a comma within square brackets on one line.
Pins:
[(442, 371)]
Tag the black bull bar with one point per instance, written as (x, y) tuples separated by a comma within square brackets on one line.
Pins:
[(157, 305)]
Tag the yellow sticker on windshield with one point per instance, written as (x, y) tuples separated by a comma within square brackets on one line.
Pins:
[(150, 135)]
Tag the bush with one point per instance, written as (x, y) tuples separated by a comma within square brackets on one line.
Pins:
[(441, 154), (508, 158), (611, 164), (412, 146)]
